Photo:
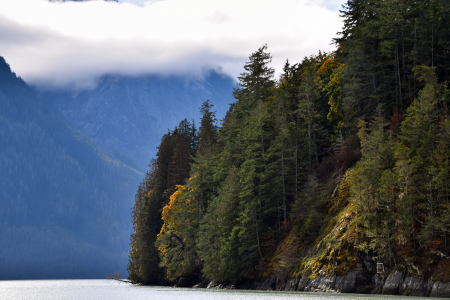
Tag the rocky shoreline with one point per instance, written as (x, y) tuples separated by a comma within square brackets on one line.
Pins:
[(397, 283), (364, 279)]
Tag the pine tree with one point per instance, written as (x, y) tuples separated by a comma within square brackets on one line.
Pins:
[(143, 266), (177, 241), (179, 168), (219, 245), (189, 132), (208, 130), (417, 143)]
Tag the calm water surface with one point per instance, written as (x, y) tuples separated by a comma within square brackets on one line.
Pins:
[(111, 289)]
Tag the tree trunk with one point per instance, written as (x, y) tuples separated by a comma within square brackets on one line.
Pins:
[(399, 81), (257, 237), (284, 189), (432, 46), (261, 132), (309, 123)]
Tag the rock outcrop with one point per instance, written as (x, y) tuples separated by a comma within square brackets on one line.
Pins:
[(440, 289), (364, 279), (356, 281), (392, 283)]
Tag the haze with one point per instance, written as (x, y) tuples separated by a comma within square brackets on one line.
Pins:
[(72, 44)]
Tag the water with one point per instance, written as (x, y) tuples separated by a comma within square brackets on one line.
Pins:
[(111, 289)]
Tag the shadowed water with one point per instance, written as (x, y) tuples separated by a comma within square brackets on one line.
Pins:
[(111, 289)]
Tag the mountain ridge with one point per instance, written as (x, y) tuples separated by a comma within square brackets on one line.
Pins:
[(126, 116), (62, 196)]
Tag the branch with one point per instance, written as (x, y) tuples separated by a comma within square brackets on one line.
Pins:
[(178, 239)]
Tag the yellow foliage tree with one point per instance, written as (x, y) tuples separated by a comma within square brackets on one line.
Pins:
[(330, 82), (176, 241)]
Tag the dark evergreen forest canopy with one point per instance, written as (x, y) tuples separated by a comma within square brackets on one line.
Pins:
[(64, 204), (346, 154)]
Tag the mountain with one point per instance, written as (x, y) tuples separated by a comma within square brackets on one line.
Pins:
[(65, 204), (126, 116)]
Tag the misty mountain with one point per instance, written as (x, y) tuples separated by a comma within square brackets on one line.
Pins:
[(127, 116), (64, 203)]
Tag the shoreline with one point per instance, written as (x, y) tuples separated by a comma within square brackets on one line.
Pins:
[(354, 282)]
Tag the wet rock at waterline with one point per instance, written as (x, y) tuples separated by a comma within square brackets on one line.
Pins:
[(392, 284)]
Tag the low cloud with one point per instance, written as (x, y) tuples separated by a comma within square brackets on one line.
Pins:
[(73, 43)]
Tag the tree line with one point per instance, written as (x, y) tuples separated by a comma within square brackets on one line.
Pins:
[(345, 153)]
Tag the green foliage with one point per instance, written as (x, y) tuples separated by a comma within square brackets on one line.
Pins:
[(346, 153), (171, 168), (311, 223), (219, 241), (177, 239)]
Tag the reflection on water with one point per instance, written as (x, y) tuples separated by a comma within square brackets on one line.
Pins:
[(111, 289)]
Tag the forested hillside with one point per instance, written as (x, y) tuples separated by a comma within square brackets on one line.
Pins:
[(340, 163), (127, 115), (64, 204)]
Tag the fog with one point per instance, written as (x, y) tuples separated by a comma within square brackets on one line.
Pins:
[(71, 44)]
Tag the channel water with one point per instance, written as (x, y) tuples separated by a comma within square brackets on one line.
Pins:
[(111, 289)]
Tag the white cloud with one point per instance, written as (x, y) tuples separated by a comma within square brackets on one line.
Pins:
[(60, 44)]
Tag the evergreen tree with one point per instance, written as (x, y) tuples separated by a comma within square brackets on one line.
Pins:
[(219, 239), (178, 169), (143, 266), (208, 130), (267, 190), (189, 132), (177, 241)]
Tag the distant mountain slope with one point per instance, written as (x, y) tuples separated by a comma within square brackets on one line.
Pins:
[(64, 204), (126, 116)]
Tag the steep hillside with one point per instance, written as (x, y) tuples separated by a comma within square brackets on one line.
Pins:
[(64, 203), (333, 178), (126, 116)]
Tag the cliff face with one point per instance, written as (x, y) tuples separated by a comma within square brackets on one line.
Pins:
[(126, 116)]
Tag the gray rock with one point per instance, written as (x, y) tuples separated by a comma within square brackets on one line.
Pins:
[(346, 283), (230, 286), (303, 283), (392, 283), (356, 281), (211, 284), (440, 289), (266, 285), (430, 285), (314, 284), (327, 284), (321, 283), (280, 283), (353, 281), (291, 284), (413, 286), (202, 284), (221, 286)]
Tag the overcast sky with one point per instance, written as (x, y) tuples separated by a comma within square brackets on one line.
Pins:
[(71, 44)]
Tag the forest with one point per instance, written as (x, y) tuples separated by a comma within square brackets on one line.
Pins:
[(345, 154), (64, 209)]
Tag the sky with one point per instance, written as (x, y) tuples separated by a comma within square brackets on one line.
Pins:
[(72, 44)]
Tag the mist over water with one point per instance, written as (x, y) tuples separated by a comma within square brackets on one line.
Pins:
[(111, 289)]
